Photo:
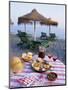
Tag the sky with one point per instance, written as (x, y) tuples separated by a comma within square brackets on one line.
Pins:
[(55, 12)]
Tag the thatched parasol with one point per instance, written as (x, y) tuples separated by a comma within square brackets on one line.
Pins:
[(20, 21), (33, 16), (49, 22)]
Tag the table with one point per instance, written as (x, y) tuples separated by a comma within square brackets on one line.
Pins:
[(31, 78)]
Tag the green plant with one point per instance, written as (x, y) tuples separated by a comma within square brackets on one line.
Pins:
[(34, 45), (45, 43), (22, 36), (24, 40)]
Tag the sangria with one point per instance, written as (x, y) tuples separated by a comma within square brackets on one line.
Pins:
[(54, 58), (49, 56), (41, 52)]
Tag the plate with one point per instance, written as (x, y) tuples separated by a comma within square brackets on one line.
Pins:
[(41, 66)]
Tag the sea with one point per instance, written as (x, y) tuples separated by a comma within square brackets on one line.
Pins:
[(59, 32)]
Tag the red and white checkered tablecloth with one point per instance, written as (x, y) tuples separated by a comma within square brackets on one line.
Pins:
[(29, 77)]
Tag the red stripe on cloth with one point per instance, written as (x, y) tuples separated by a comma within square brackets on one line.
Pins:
[(61, 79), (57, 63), (57, 66), (60, 70), (28, 69), (61, 74)]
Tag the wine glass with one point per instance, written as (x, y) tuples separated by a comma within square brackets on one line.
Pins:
[(49, 55), (54, 58)]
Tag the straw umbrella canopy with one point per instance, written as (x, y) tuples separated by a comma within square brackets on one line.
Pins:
[(34, 16), (20, 21), (49, 22)]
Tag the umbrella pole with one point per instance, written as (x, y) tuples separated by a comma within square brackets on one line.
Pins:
[(25, 26), (49, 29), (34, 30)]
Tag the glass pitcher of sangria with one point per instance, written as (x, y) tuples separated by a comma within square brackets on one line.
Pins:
[(41, 52)]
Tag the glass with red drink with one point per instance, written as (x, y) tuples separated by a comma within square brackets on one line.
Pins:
[(49, 56), (54, 58)]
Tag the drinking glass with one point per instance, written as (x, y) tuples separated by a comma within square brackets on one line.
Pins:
[(54, 58), (50, 55)]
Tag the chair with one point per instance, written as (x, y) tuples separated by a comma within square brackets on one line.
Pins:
[(52, 35), (43, 36), (24, 39), (34, 45)]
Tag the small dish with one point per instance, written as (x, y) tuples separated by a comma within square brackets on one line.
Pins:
[(52, 76)]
